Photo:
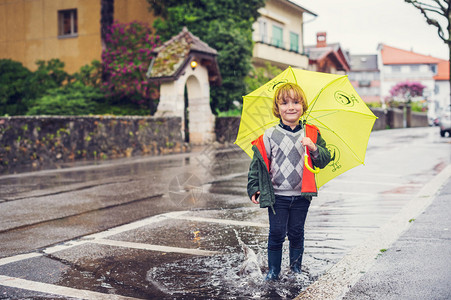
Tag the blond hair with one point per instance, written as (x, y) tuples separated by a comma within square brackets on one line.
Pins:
[(284, 90)]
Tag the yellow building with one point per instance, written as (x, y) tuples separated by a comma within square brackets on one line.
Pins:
[(32, 30)]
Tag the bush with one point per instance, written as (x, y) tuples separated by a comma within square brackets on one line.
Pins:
[(19, 87), (121, 110), (377, 104), (72, 99), (90, 75)]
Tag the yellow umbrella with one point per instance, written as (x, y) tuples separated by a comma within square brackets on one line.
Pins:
[(344, 120)]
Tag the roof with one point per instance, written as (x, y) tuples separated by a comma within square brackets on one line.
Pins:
[(299, 6), (366, 62), (442, 70), (173, 56), (395, 56), (332, 51)]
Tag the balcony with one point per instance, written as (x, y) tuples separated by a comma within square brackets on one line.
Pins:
[(278, 56)]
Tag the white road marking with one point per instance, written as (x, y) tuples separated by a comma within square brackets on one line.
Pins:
[(8, 260), (133, 226), (154, 247), (64, 246), (336, 192), (221, 221), (371, 183), (56, 289)]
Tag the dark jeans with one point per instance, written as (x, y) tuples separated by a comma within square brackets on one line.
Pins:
[(291, 212)]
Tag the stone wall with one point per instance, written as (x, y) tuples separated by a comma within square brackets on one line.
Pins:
[(395, 118), (381, 121), (226, 129), (45, 142), (32, 143), (419, 120)]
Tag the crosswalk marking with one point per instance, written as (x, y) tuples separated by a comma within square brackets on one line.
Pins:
[(220, 221), (154, 247), (30, 285), (8, 260)]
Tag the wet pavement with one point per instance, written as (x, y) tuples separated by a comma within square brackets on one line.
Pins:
[(181, 226), (417, 265)]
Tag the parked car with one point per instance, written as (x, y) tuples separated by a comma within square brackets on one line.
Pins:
[(445, 124)]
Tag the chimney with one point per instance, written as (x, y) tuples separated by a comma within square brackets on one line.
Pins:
[(321, 40)]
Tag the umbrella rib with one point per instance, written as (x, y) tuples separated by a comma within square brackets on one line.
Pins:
[(263, 126), (325, 115)]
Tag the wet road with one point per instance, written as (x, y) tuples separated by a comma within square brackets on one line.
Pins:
[(181, 226)]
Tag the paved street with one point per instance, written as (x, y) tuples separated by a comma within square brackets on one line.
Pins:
[(181, 226)]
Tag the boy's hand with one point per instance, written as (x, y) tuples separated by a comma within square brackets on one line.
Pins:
[(255, 197), (306, 141)]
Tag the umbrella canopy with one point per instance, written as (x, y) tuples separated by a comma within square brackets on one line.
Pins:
[(344, 120)]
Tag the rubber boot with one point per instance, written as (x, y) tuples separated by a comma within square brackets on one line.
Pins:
[(296, 260), (274, 261)]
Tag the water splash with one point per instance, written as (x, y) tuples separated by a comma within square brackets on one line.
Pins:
[(251, 264)]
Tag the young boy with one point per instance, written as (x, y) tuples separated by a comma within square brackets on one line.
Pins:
[(277, 177)]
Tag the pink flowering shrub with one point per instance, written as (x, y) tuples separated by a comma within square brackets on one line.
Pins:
[(407, 90), (125, 61)]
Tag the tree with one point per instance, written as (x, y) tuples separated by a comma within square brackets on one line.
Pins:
[(14, 87), (259, 76), (225, 25), (431, 10)]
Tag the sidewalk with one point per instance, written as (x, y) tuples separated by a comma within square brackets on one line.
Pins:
[(406, 258), (418, 265)]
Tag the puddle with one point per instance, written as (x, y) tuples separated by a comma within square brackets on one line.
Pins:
[(238, 275)]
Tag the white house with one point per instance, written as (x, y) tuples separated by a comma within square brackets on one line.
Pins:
[(397, 65)]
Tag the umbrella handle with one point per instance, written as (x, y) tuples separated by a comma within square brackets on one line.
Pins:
[(314, 171)]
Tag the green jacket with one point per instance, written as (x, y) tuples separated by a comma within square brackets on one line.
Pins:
[(260, 180)]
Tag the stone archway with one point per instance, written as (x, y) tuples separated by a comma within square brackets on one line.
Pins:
[(186, 61), (201, 119)]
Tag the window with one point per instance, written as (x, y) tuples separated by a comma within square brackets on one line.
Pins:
[(396, 69), (67, 23), (433, 69), (294, 42), (414, 68), (263, 31), (277, 36)]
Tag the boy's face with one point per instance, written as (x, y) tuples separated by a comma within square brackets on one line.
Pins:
[(290, 109)]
